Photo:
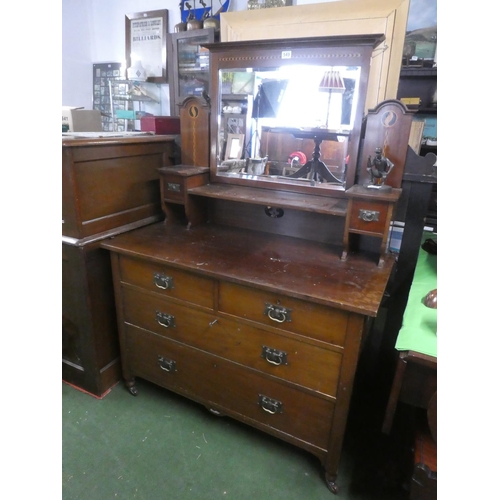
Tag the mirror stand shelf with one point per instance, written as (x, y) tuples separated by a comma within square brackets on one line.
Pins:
[(264, 197)]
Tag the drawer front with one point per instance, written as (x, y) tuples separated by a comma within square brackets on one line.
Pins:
[(173, 187), (168, 281), (368, 216), (212, 380), (286, 358), (305, 318)]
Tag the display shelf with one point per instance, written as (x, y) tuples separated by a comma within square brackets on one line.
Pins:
[(418, 72), (294, 201), (131, 98), (421, 83)]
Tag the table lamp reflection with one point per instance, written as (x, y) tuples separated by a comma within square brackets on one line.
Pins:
[(331, 82)]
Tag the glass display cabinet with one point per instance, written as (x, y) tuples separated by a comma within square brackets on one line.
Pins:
[(189, 68), (131, 100)]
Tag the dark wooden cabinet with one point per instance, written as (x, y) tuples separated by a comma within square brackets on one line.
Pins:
[(109, 186), (90, 350), (421, 83)]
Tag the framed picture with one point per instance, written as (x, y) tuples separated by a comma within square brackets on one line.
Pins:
[(234, 146), (146, 41)]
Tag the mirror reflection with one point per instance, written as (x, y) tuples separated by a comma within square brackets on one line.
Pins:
[(291, 122)]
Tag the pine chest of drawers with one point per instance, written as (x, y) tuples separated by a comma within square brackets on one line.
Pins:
[(261, 328)]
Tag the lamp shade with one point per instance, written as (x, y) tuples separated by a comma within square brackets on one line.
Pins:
[(332, 81)]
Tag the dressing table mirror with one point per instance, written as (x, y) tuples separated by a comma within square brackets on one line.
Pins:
[(298, 106)]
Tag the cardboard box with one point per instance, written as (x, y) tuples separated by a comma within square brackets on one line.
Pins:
[(81, 120), (161, 125)]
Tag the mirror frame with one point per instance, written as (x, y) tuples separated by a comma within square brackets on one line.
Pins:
[(349, 50)]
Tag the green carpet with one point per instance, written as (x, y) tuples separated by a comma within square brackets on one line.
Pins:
[(159, 445)]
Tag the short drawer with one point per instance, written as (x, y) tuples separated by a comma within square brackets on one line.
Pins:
[(168, 281), (369, 217), (241, 392), (305, 318), (175, 181), (278, 355), (173, 188)]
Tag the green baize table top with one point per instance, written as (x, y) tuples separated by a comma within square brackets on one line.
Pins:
[(419, 329)]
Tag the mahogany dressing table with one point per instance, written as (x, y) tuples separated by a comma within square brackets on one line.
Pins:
[(240, 300)]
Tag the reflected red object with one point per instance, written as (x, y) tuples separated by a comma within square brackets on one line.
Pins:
[(299, 155)]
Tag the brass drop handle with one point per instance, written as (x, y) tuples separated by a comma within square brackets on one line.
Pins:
[(167, 365), (277, 363), (369, 215), (277, 313), (274, 356), (270, 405), (165, 320), (162, 281)]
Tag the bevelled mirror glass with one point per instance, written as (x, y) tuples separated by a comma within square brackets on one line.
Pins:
[(287, 113)]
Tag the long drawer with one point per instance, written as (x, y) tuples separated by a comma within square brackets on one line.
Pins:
[(169, 281), (229, 386), (298, 316), (310, 366)]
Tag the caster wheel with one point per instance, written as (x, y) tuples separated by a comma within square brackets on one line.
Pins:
[(131, 387), (332, 485)]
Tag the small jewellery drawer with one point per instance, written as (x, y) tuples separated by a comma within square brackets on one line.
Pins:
[(301, 363), (173, 188), (169, 281), (289, 314), (368, 217), (212, 380)]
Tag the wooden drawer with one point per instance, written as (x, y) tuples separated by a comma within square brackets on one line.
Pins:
[(178, 284), (232, 388), (286, 358), (173, 187), (176, 180), (372, 209), (305, 318)]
